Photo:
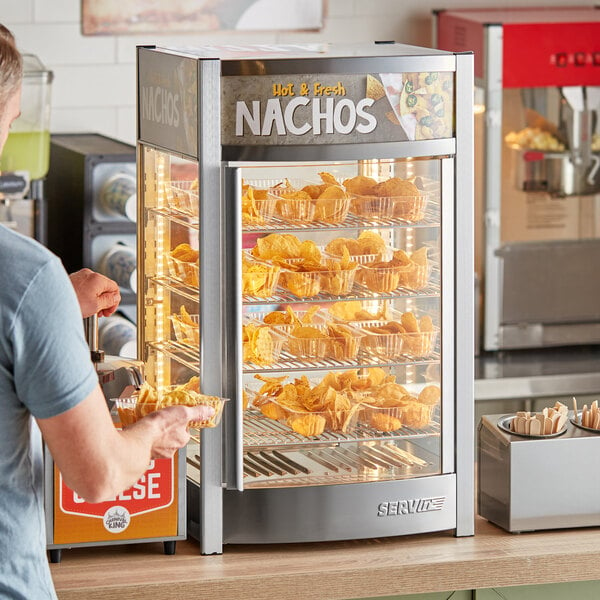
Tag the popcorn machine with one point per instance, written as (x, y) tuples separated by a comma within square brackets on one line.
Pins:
[(537, 72), (304, 244)]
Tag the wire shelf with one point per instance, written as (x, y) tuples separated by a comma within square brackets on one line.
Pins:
[(358, 292), (336, 465), (288, 362), (430, 219), (260, 431), (190, 357)]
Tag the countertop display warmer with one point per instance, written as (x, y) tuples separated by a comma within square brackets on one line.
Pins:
[(305, 250)]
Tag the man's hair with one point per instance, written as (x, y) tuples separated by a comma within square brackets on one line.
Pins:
[(11, 66)]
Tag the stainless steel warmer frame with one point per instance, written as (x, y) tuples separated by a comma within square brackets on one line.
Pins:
[(220, 511)]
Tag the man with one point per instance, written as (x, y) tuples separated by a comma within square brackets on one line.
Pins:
[(46, 373)]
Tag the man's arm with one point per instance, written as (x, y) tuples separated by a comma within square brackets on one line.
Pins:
[(96, 293), (99, 461)]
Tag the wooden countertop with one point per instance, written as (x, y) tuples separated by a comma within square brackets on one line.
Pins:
[(337, 571)]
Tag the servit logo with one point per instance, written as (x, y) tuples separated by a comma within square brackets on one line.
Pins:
[(398, 508), (116, 519)]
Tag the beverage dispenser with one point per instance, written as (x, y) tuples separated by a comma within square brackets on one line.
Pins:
[(537, 175), (91, 221), (26, 155)]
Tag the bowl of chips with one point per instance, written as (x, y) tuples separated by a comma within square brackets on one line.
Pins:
[(182, 196), (382, 339), (345, 398), (286, 320), (349, 311), (307, 278), (330, 209), (306, 202), (183, 263), (369, 247), (416, 409), (126, 409), (312, 423), (180, 395), (261, 344), (332, 199), (405, 270), (306, 423), (331, 340), (285, 246), (381, 278), (258, 205), (186, 327), (381, 418), (132, 408), (419, 337), (404, 335), (417, 415), (259, 278), (307, 407), (393, 198), (294, 205)]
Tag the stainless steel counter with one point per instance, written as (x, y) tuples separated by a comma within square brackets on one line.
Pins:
[(530, 374)]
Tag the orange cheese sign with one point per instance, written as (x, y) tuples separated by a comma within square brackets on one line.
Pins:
[(147, 509)]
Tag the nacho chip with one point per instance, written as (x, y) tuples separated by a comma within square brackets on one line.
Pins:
[(185, 253), (361, 185), (426, 324), (258, 344), (409, 322), (395, 186), (308, 332), (430, 395), (383, 421), (328, 178), (258, 278), (375, 89), (308, 425), (147, 400)]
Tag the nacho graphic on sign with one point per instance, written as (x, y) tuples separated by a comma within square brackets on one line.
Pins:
[(336, 108)]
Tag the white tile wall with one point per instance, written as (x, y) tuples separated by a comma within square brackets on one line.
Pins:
[(93, 119), (55, 11), (63, 44), (16, 12), (94, 85)]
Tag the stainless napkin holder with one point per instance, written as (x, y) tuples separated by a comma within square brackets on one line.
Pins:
[(527, 484)]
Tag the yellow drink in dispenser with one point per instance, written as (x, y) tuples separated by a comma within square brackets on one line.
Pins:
[(28, 145), (27, 151)]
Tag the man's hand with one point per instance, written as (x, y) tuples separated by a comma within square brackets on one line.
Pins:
[(96, 293), (171, 427)]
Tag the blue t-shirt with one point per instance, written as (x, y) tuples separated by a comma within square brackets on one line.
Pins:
[(45, 369)]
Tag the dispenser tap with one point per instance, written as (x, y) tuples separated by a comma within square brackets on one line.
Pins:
[(91, 335)]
